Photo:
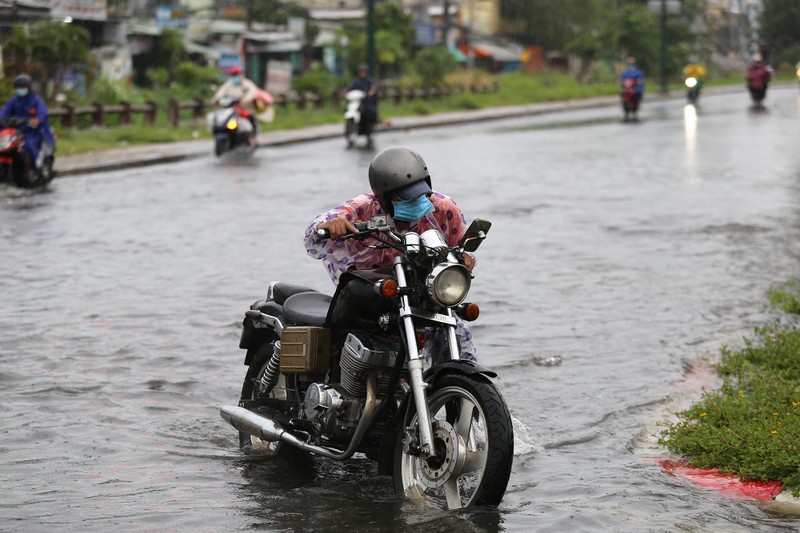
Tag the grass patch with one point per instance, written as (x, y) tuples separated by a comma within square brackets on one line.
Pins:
[(786, 297), (751, 425)]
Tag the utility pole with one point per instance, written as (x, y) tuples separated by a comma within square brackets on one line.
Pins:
[(664, 88), (445, 21), (371, 37)]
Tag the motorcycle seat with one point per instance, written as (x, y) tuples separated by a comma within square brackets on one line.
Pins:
[(281, 291), (307, 308)]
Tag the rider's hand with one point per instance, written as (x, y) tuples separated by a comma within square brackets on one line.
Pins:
[(338, 227), (469, 261), (34, 122)]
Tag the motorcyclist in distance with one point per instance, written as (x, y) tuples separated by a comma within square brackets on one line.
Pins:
[(758, 76), (245, 91), (369, 106), (401, 189), (633, 72), (27, 104), (695, 70)]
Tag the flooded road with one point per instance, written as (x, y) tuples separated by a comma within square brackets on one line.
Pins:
[(620, 254)]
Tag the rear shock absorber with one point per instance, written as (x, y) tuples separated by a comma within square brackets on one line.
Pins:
[(270, 376)]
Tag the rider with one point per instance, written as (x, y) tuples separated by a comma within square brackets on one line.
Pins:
[(758, 76), (401, 189), (27, 104), (633, 72), (369, 106), (695, 70), (245, 91)]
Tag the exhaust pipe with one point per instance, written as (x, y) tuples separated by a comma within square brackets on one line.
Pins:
[(269, 430)]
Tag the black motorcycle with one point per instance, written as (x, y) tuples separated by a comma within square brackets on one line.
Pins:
[(332, 376)]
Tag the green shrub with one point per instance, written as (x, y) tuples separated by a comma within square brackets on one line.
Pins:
[(786, 297), (433, 64), (318, 80), (751, 425), (193, 76)]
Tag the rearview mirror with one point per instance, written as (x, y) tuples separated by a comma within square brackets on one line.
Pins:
[(474, 235)]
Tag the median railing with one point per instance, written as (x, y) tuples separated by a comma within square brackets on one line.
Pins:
[(98, 114)]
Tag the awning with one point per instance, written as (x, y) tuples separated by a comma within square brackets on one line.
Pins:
[(498, 53)]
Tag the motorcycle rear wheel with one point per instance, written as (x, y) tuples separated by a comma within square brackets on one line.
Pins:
[(250, 391), (474, 442)]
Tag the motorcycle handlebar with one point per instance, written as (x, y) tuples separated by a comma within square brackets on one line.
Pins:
[(360, 226)]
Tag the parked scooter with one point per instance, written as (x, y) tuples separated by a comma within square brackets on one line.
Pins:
[(354, 125), (333, 376), (693, 86), (231, 125), (15, 164), (630, 99)]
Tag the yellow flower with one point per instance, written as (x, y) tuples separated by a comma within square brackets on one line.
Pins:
[(795, 404), (774, 414), (774, 431), (703, 414), (741, 394)]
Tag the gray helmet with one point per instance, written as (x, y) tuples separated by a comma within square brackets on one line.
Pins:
[(23, 80), (398, 170)]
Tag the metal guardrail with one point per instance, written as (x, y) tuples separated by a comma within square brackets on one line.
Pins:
[(98, 113)]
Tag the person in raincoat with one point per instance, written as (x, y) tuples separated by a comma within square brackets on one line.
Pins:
[(27, 104), (256, 102), (633, 72), (401, 189)]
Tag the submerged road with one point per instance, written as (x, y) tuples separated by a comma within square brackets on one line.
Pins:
[(621, 254)]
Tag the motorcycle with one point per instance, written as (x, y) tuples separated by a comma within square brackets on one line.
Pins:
[(230, 123), (333, 376), (693, 86), (15, 164), (630, 100), (354, 126)]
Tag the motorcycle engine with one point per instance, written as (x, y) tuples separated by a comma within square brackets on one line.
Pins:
[(335, 410), (365, 353)]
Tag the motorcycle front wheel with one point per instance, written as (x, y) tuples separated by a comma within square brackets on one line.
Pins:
[(473, 442), (350, 132)]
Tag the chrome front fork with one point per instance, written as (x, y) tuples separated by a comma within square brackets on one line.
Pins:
[(414, 366)]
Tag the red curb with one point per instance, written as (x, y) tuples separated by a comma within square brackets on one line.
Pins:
[(721, 482)]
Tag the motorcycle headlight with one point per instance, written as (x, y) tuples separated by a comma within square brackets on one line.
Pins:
[(691, 82), (232, 124), (448, 284)]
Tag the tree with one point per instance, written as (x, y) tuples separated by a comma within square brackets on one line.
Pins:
[(165, 54), (394, 40), (433, 63), (780, 29)]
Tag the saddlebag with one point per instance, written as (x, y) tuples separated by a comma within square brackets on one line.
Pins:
[(305, 350)]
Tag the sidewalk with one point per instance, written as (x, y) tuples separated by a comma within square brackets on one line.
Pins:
[(150, 154)]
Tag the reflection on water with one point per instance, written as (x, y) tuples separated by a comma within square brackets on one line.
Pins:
[(690, 132)]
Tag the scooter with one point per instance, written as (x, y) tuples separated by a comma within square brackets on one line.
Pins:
[(353, 123), (693, 86), (630, 100), (15, 164), (231, 125)]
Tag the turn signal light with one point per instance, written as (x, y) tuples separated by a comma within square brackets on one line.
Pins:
[(470, 312), (232, 124), (388, 288), (421, 339)]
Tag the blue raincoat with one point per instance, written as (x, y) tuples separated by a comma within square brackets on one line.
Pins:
[(31, 106), (635, 73)]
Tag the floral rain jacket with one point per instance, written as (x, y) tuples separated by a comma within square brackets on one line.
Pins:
[(341, 256)]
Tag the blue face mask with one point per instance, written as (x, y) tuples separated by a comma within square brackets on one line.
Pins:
[(413, 209), (236, 80), (22, 92)]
